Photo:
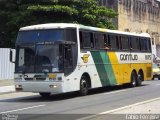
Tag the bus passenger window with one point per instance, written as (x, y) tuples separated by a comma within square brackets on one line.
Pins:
[(125, 43), (145, 44), (80, 37), (135, 43), (86, 40), (149, 42), (118, 42), (113, 42), (91, 40), (99, 40)]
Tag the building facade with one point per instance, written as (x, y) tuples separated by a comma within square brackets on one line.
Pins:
[(138, 16)]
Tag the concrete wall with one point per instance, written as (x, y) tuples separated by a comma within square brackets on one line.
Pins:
[(6, 67), (137, 16), (140, 16)]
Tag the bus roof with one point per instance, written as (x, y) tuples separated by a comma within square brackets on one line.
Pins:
[(48, 26), (67, 25)]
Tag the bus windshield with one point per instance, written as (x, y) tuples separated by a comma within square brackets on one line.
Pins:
[(40, 35), (39, 58)]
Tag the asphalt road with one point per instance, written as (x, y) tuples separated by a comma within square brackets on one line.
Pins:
[(72, 106)]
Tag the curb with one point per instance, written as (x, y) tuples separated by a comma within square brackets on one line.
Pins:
[(7, 89)]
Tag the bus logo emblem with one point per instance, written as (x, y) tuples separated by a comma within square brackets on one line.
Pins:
[(85, 58)]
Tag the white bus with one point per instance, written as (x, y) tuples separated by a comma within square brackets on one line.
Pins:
[(61, 57)]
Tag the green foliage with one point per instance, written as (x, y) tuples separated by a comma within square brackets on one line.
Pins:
[(18, 13)]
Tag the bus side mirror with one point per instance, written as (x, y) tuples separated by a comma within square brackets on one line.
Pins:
[(11, 57)]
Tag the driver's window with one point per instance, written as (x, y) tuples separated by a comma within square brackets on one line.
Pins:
[(68, 61)]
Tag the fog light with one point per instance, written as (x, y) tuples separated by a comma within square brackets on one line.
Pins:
[(52, 86), (18, 86)]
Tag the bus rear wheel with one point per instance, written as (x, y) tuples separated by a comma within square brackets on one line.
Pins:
[(133, 79), (45, 95), (139, 79), (84, 86)]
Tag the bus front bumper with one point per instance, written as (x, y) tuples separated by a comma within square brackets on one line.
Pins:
[(52, 87)]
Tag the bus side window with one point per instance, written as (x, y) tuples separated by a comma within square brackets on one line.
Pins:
[(86, 39), (145, 44), (68, 59), (135, 44), (149, 42), (125, 43), (80, 37), (113, 42), (120, 43), (141, 44), (107, 42), (99, 40), (91, 40)]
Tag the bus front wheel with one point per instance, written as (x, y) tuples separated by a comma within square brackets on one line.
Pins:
[(84, 86)]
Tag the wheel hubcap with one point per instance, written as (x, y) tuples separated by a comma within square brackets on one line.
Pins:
[(84, 85), (134, 81)]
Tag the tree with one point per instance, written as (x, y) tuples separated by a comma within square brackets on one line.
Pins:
[(17, 13)]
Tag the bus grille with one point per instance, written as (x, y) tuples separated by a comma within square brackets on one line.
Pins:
[(33, 79), (28, 79)]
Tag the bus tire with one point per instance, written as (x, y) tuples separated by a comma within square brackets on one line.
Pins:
[(139, 79), (84, 86), (133, 79), (45, 95)]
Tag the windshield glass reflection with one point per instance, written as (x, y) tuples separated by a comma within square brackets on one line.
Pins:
[(42, 58)]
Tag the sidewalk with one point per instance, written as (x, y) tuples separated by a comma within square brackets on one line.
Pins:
[(6, 86)]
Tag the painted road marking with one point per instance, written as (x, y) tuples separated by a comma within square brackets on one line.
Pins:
[(22, 109), (118, 109), (114, 92)]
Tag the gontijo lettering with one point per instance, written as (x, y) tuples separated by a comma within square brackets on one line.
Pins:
[(124, 57)]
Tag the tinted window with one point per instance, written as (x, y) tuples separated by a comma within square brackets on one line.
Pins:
[(125, 43), (149, 42), (99, 40), (86, 40), (40, 35), (71, 35), (145, 44), (113, 42), (135, 43)]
